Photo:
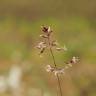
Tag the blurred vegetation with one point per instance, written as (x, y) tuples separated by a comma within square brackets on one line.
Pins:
[(74, 24)]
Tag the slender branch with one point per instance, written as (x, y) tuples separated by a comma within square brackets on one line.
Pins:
[(54, 62), (59, 84), (52, 53)]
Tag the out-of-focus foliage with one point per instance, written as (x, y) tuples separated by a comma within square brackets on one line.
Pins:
[(73, 23)]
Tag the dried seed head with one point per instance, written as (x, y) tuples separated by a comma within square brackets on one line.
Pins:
[(59, 71), (44, 36), (41, 51), (54, 70), (41, 45), (58, 49), (74, 60), (61, 48), (47, 42), (46, 30), (49, 29), (49, 68)]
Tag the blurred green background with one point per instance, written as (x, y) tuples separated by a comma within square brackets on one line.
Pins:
[(74, 24)]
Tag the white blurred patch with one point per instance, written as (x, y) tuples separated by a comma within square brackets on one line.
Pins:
[(13, 81), (3, 84), (15, 76)]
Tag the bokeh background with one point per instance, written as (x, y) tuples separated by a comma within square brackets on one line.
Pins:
[(74, 24)]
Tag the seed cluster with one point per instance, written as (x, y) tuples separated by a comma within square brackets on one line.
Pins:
[(56, 71), (47, 42)]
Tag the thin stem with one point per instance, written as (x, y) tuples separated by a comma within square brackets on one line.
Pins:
[(54, 62), (59, 84)]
